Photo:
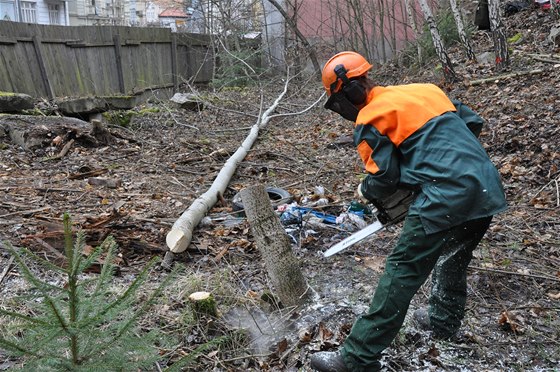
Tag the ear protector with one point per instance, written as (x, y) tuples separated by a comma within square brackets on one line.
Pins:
[(352, 89)]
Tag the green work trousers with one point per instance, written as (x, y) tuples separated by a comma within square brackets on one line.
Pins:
[(448, 253)]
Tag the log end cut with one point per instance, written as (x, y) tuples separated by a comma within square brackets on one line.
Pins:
[(178, 240)]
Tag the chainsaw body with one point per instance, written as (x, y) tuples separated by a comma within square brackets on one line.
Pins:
[(394, 208)]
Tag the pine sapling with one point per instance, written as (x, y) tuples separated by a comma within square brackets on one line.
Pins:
[(80, 324)]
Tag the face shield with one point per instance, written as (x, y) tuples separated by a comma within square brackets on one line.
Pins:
[(339, 103)]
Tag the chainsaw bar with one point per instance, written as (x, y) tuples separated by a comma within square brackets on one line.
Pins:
[(390, 210), (354, 238)]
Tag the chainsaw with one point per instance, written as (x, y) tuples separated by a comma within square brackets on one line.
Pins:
[(390, 211)]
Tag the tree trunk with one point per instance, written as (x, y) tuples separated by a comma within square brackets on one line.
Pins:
[(414, 27), (498, 34), (448, 71), (203, 304), (275, 246), (461, 30), (554, 9), (101, 133), (293, 26)]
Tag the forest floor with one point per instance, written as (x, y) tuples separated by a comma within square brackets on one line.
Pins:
[(164, 160)]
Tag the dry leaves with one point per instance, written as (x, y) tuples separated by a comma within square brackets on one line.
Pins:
[(512, 321)]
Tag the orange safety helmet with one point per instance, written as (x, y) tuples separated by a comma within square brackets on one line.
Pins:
[(354, 63)]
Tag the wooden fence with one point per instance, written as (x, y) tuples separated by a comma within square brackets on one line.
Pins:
[(82, 61)]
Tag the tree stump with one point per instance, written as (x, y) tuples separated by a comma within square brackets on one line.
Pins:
[(101, 133), (275, 246), (203, 304)]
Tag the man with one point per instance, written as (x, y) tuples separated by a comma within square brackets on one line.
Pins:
[(414, 137)]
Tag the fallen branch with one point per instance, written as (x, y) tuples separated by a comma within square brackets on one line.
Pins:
[(557, 193), (180, 236), (505, 76), (51, 249), (549, 58), (6, 269), (514, 273), (62, 152), (31, 211), (545, 186)]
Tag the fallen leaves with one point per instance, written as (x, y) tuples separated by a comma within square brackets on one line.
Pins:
[(375, 263), (512, 321), (431, 356)]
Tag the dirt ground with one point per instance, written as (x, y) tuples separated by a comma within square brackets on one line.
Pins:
[(168, 157)]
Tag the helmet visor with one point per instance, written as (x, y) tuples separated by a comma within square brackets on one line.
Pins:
[(338, 103)]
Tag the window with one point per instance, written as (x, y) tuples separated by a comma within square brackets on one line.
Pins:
[(28, 12), (54, 14)]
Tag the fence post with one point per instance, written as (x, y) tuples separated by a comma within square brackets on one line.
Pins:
[(42, 67), (118, 55), (174, 71)]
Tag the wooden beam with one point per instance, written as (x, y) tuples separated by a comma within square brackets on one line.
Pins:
[(42, 67), (174, 73), (118, 55)]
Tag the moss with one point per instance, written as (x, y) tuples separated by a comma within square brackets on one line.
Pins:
[(119, 96), (234, 89), (151, 110), (34, 112), (515, 38), (121, 118), (7, 94), (79, 79)]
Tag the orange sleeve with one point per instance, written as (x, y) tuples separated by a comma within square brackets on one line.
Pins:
[(365, 152)]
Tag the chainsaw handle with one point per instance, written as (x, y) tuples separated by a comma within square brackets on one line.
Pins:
[(394, 208)]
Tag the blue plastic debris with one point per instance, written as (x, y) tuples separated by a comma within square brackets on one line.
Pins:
[(327, 218), (294, 215)]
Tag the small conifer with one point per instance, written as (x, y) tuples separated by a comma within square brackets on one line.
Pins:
[(80, 325)]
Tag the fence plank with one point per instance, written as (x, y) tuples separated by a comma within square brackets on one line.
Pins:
[(42, 67), (174, 63), (118, 60)]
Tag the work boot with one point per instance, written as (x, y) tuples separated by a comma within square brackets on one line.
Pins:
[(328, 361), (422, 319)]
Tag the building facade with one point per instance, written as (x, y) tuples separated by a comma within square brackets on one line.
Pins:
[(45, 12)]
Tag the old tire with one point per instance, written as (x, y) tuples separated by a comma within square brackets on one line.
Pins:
[(275, 194)]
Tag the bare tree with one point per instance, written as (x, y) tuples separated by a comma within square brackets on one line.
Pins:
[(498, 34), (461, 30), (290, 21), (446, 64), (554, 9), (412, 23)]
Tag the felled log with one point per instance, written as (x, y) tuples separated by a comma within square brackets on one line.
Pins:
[(180, 236), (275, 246), (33, 132)]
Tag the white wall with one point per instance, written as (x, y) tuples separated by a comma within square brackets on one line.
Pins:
[(43, 13)]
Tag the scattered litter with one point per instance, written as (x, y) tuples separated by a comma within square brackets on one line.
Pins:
[(513, 7), (545, 4), (351, 221)]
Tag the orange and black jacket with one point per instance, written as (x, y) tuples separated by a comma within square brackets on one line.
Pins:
[(414, 136)]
